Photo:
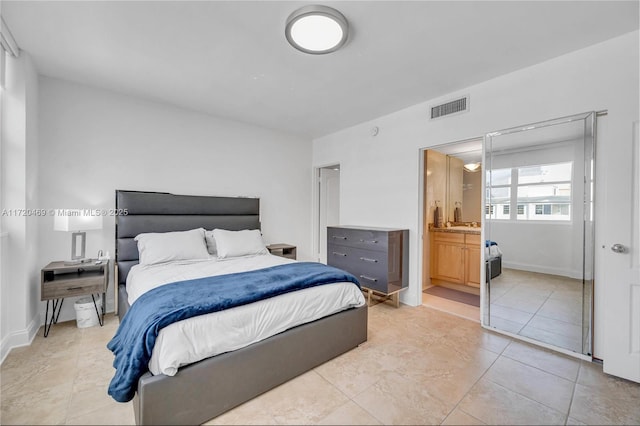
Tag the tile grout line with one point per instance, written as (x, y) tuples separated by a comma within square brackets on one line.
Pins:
[(365, 408), (537, 313), (347, 396), (545, 371), (530, 398), (573, 393), (475, 383)]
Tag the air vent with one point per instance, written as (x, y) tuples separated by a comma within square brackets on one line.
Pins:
[(453, 107)]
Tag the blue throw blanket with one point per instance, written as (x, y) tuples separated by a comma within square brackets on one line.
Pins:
[(133, 343)]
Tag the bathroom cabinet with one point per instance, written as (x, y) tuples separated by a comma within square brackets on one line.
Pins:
[(455, 257)]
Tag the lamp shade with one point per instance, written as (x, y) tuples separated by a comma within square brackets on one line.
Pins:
[(76, 220)]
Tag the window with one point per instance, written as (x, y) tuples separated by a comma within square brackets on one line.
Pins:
[(539, 192), (499, 193)]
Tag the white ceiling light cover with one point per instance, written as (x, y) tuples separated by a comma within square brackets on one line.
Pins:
[(472, 167), (316, 29)]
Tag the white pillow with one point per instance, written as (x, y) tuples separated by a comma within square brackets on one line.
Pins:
[(238, 243), (211, 243), (167, 246)]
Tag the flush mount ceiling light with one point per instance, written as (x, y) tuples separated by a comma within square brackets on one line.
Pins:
[(317, 29), (472, 167)]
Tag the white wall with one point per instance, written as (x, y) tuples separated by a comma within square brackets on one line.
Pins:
[(19, 284), (94, 141), (380, 175)]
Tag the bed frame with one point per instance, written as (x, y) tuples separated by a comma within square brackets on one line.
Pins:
[(201, 391)]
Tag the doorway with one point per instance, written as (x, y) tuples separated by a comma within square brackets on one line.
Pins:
[(451, 227), (328, 206)]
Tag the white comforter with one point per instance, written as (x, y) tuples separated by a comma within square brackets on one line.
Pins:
[(204, 336)]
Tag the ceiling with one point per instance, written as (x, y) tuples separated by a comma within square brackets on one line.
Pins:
[(231, 58)]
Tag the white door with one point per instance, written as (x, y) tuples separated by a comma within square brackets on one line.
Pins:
[(621, 247), (329, 206)]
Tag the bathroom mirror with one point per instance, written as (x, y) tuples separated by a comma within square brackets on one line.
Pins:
[(538, 223), (464, 182)]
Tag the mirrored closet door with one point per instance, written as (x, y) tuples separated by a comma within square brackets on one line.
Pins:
[(539, 231)]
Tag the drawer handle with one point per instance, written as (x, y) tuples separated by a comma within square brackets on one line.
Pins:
[(74, 288), (375, 280), (339, 237), (340, 254), (369, 241), (365, 259)]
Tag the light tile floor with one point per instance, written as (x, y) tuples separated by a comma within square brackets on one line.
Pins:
[(547, 308), (451, 306), (419, 366)]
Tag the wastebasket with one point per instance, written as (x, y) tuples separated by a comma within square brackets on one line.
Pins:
[(86, 315)]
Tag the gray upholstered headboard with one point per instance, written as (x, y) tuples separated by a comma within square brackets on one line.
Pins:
[(164, 212)]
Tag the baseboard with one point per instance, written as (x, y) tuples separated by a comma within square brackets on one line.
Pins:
[(542, 269), (19, 338)]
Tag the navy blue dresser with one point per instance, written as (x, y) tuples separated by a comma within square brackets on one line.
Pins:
[(378, 257)]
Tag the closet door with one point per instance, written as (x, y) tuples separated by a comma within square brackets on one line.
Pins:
[(620, 251), (539, 209)]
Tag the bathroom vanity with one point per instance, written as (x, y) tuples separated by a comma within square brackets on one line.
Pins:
[(455, 256)]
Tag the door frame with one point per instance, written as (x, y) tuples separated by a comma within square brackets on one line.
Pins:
[(315, 207), (424, 234)]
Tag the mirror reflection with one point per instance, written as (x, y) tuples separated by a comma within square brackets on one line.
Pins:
[(538, 220)]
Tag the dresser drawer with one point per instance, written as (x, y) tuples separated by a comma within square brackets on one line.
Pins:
[(472, 239), (369, 266), (448, 237), (62, 288), (360, 238)]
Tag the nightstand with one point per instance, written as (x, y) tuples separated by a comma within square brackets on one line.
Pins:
[(283, 250), (58, 281)]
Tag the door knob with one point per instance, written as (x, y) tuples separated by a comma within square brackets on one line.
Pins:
[(618, 248)]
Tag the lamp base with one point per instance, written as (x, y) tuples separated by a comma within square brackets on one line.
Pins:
[(78, 262)]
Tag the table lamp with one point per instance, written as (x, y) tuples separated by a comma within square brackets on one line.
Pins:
[(76, 221)]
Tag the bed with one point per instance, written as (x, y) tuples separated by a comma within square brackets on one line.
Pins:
[(207, 388), (493, 259)]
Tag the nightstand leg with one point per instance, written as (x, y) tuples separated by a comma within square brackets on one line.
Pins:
[(100, 317), (48, 322), (59, 309)]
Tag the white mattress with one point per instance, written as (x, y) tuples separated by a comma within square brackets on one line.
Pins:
[(200, 337)]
